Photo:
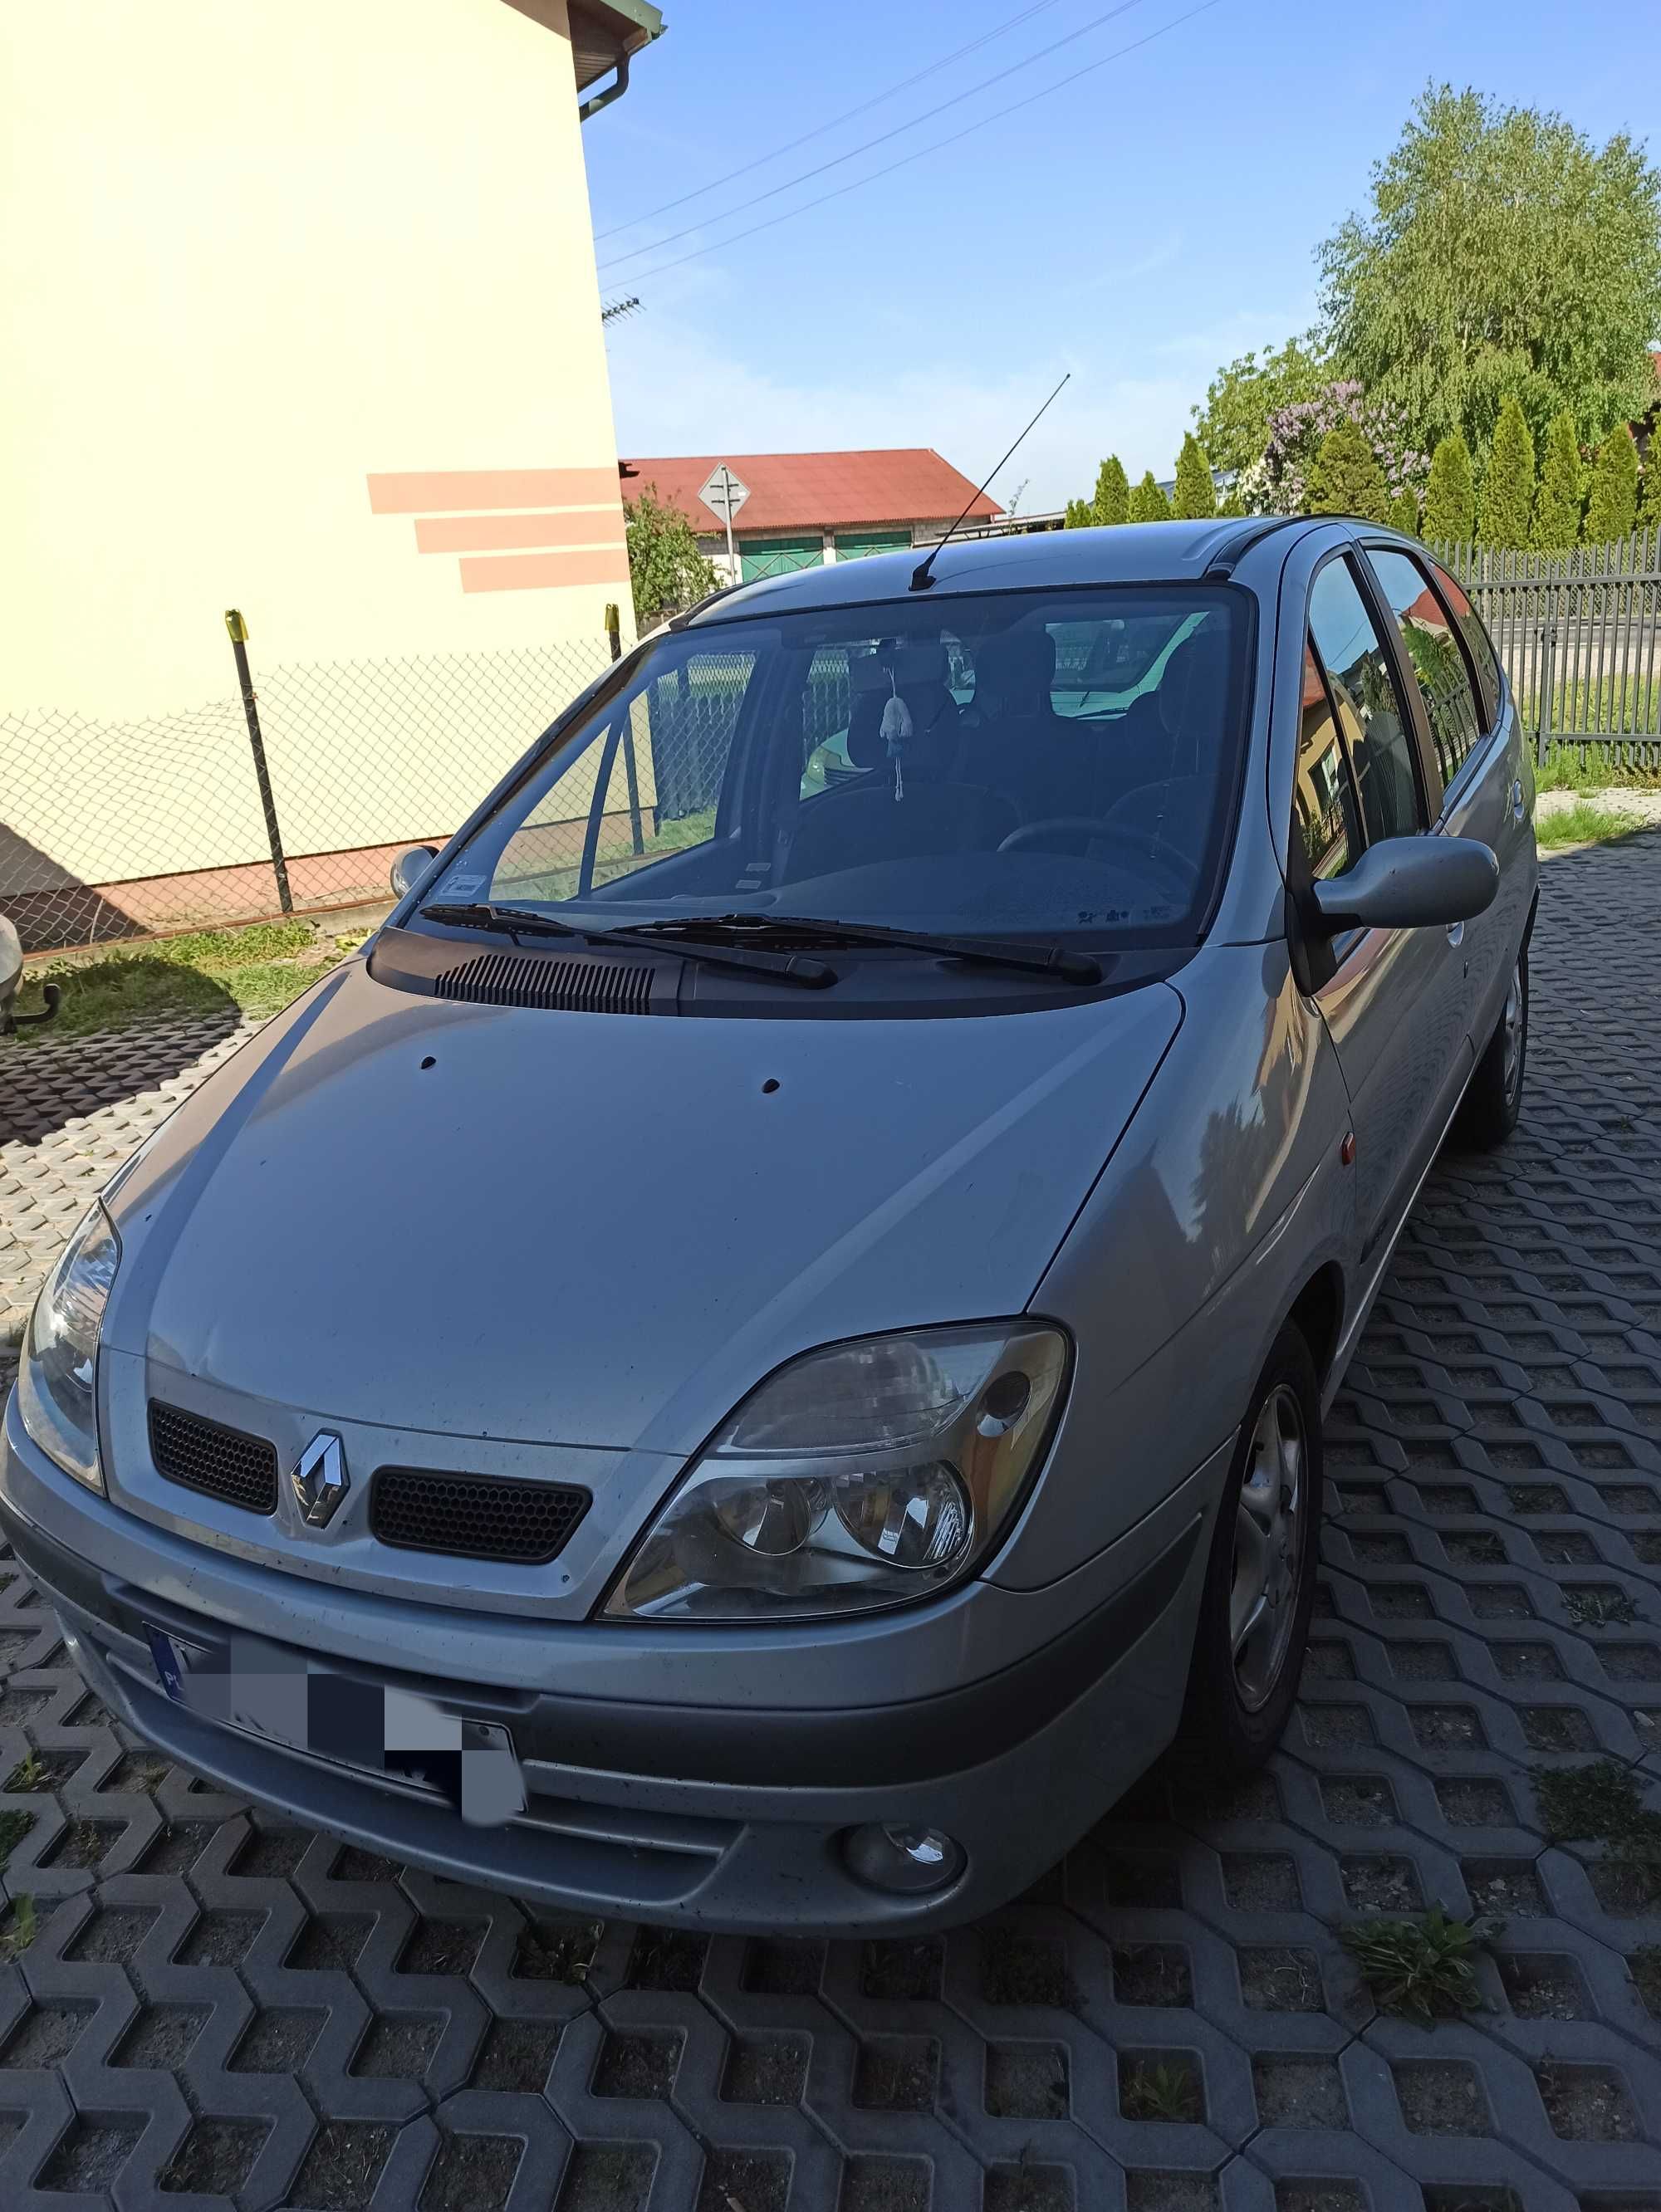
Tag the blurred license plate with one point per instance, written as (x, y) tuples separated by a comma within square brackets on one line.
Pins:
[(247, 1684)]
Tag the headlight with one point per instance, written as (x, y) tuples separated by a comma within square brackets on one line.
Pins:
[(860, 1476), (55, 1379)]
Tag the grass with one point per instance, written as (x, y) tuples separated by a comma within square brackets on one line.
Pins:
[(1591, 1609), (14, 1826), (1423, 1969), (1593, 767), (1167, 2091), (1583, 823), (257, 969), (20, 1929), (1601, 1802), (29, 1773)]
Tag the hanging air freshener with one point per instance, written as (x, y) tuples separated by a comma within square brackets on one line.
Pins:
[(896, 729)]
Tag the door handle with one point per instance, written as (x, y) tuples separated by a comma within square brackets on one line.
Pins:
[(1518, 805), (1457, 933)]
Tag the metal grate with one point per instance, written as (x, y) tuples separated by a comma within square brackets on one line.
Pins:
[(597, 986), (474, 1517), (223, 1463)]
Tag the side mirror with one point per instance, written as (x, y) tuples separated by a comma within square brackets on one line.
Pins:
[(1408, 882), (410, 868)]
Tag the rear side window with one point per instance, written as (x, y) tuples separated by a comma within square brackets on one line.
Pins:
[(1372, 714), (1452, 707), (1324, 798), (1478, 644)]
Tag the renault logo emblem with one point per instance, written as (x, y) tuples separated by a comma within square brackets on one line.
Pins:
[(320, 1479)]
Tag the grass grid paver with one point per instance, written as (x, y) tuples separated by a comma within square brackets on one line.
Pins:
[(201, 2006)]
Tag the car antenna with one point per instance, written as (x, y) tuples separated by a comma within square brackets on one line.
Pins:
[(921, 578)]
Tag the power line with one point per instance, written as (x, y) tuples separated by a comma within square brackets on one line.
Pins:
[(806, 176), (920, 153), (848, 114)]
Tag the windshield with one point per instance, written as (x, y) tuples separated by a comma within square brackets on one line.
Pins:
[(1008, 765)]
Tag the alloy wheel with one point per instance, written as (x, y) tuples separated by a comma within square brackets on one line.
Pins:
[(1271, 1525)]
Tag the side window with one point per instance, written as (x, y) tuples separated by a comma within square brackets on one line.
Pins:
[(1478, 644), (1323, 797), (1371, 715), (1452, 706)]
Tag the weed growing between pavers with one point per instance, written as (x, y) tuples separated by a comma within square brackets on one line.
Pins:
[(20, 1928), (1602, 1802), (1160, 2089), (1423, 1969), (14, 1826), (1591, 1608)]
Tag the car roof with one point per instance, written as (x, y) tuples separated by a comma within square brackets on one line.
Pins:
[(1130, 553)]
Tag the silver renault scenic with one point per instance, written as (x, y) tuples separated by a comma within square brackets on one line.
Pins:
[(761, 1352)]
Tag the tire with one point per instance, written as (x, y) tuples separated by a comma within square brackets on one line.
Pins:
[(1237, 1705), (1494, 1099)]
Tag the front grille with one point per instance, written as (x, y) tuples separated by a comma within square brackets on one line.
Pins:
[(583, 987), (472, 1516), (223, 1463)]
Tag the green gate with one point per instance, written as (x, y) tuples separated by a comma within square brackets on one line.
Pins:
[(856, 544), (778, 556)]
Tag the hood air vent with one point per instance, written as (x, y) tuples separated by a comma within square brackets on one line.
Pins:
[(583, 987)]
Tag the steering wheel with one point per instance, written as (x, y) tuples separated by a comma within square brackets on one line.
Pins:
[(1169, 859)]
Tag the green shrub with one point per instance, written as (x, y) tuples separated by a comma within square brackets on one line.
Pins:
[(1404, 512), (1451, 495), (1505, 509), (1557, 502), (1080, 516), (1346, 478), (1147, 502), (1612, 504), (1112, 502), (1195, 495)]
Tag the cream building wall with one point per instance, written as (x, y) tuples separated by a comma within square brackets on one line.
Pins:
[(304, 320)]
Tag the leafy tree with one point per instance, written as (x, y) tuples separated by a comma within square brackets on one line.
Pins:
[(1404, 512), (1346, 478), (1612, 504), (1557, 502), (1505, 509), (665, 568), (1147, 502), (1080, 516), (1112, 492), (1502, 255), (1195, 495), (1451, 495), (1233, 424), (1651, 516)]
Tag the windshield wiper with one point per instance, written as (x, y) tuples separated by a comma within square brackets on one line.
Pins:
[(516, 921), (1053, 960)]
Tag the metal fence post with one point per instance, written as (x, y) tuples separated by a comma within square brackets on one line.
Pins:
[(1542, 695), (239, 630), (614, 639)]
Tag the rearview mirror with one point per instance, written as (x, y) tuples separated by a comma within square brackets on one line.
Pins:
[(410, 867), (1408, 882)]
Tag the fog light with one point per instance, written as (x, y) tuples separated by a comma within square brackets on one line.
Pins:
[(890, 1856)]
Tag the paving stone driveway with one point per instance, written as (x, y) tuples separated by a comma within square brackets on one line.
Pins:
[(213, 2002)]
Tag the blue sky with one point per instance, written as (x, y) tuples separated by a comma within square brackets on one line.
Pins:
[(1138, 227)]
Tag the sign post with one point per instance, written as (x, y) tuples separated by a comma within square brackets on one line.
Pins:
[(723, 494)]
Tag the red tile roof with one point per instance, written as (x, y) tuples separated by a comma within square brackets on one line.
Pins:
[(816, 491)]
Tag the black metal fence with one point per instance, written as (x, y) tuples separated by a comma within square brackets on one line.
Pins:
[(1579, 634)]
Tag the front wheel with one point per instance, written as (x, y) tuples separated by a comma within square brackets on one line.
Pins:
[(1494, 1099), (1260, 1580)]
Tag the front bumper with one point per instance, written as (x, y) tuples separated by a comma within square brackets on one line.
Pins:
[(719, 1812)]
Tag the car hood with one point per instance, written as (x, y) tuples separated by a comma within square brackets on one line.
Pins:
[(603, 1230)]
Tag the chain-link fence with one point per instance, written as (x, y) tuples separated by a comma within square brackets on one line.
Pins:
[(125, 830)]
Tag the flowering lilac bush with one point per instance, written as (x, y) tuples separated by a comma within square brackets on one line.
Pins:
[(1279, 482)]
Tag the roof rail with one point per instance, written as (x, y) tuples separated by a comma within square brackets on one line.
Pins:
[(721, 592), (1234, 551)]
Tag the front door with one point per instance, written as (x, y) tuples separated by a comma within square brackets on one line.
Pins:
[(1393, 1001)]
